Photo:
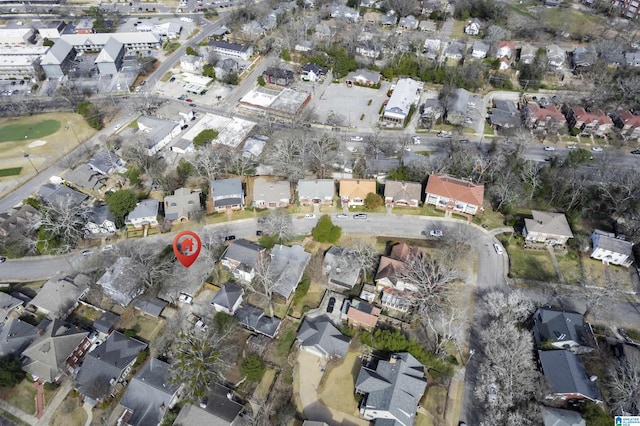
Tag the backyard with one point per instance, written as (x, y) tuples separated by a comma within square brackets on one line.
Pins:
[(146, 328), (70, 412), (337, 386)]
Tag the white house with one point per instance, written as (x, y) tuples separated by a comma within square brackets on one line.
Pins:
[(144, 214), (234, 50), (453, 194), (479, 50), (405, 95), (472, 27), (228, 299), (100, 221), (158, 132), (611, 250)]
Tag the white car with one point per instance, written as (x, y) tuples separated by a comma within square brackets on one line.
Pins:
[(352, 149), (549, 148), (497, 248), (596, 149), (185, 298), (200, 325), (309, 216), (572, 147), (107, 247), (444, 134), (436, 233), (117, 127), (416, 140), (356, 138)]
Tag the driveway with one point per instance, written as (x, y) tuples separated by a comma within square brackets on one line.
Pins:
[(313, 368)]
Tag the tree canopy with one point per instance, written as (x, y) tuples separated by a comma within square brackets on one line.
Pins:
[(325, 231), (120, 204), (373, 201), (204, 137), (10, 372)]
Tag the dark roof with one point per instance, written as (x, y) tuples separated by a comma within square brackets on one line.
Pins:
[(152, 306), (15, 336), (254, 319), (230, 46), (317, 69), (52, 193), (319, 332), (566, 374), (288, 265), (504, 114), (149, 394), (228, 295), (558, 326), (395, 386), (106, 362), (219, 409), (279, 73), (104, 160), (101, 213), (106, 322), (243, 251), (342, 267)]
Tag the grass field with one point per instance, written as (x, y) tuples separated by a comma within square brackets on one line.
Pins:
[(22, 396), (337, 388), (572, 20), (18, 132), (12, 171)]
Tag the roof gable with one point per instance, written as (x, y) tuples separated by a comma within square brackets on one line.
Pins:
[(549, 223), (455, 189)]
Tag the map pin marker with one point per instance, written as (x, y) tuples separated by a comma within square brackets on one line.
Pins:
[(186, 247)]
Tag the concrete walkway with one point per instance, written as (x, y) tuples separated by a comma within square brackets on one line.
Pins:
[(555, 263), (88, 408), (27, 418)]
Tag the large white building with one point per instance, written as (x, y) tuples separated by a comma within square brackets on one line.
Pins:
[(16, 36), (19, 62), (234, 50), (405, 94)]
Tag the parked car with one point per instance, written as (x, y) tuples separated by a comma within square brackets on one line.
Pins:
[(172, 79), (497, 248), (636, 152), (185, 298), (596, 149), (188, 100), (87, 252), (444, 134), (356, 138), (360, 216), (342, 216), (352, 149), (230, 238), (309, 216), (549, 148), (416, 140), (192, 105), (436, 233), (572, 147), (107, 247), (258, 233), (331, 304), (117, 126), (200, 325), (3, 259)]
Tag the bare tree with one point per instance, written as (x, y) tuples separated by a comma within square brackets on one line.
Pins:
[(288, 154), (623, 383), (278, 223), (148, 266), (209, 163), (65, 220), (199, 360), (364, 256), (513, 306), (265, 281), (446, 327), (145, 103), (323, 152)]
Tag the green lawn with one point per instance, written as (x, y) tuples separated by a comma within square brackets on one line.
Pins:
[(262, 391), (19, 132), (458, 29), (571, 20), (529, 264), (13, 171), (22, 396), (570, 267)]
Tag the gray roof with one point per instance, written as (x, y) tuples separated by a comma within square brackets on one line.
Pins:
[(405, 191), (254, 319), (46, 355), (152, 307), (480, 45), (7, 304), (607, 241), (144, 208), (228, 295), (85, 177), (57, 54), (60, 294), (505, 114), (106, 362), (559, 417), (368, 75), (343, 270), (149, 394), (456, 48), (227, 192), (319, 332), (106, 322), (287, 266), (317, 69), (23, 219), (104, 161), (459, 101), (395, 386), (566, 374), (219, 410), (110, 51), (271, 191), (548, 223), (117, 282), (244, 252), (559, 326), (158, 128), (229, 46), (100, 214), (583, 57), (182, 203), (316, 188), (15, 336), (51, 193)]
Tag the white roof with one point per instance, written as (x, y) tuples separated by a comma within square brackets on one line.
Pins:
[(101, 39), (404, 95)]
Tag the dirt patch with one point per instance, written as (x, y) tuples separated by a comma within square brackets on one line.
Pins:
[(70, 413)]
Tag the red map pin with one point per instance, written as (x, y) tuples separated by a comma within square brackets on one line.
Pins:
[(186, 246)]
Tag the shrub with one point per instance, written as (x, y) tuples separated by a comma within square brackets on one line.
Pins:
[(204, 137), (261, 80), (325, 231), (373, 201), (253, 368)]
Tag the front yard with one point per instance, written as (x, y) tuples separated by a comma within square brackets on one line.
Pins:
[(23, 396), (70, 412)]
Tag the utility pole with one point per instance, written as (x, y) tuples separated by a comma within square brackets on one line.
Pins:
[(25, 155)]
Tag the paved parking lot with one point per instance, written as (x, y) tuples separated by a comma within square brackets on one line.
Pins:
[(209, 99), (350, 103)]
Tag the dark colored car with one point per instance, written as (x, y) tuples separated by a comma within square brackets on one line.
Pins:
[(188, 100), (3, 259), (172, 79), (258, 233), (331, 304), (636, 152), (192, 105), (360, 216), (230, 238)]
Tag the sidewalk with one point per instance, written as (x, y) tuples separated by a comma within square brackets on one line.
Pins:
[(27, 418), (64, 389)]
